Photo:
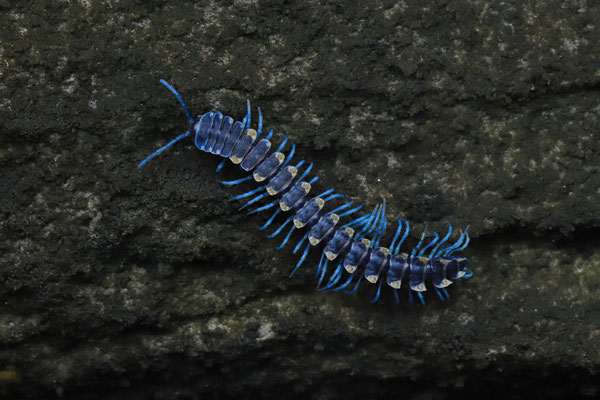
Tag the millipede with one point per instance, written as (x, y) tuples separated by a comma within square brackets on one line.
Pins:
[(354, 244)]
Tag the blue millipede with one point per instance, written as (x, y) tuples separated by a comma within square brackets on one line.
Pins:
[(353, 244)]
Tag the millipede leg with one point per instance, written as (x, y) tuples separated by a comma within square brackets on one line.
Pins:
[(355, 287), (396, 296), (305, 173), (300, 243), (397, 250), (437, 291), (282, 145), (343, 285), (247, 194), (260, 123), (221, 164), (320, 265), (289, 157), (335, 278), (262, 228), (287, 221), (445, 291), (349, 212), (301, 259), (157, 152), (172, 89), (282, 245), (236, 182), (323, 272), (254, 200), (374, 300), (265, 207)]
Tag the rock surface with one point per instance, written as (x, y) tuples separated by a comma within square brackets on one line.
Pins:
[(127, 283)]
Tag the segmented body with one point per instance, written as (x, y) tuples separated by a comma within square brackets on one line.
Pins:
[(354, 244)]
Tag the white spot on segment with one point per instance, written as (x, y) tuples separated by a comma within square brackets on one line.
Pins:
[(395, 284), (350, 268), (371, 278), (258, 178), (235, 159), (330, 255), (445, 283), (298, 224), (313, 240), (419, 288)]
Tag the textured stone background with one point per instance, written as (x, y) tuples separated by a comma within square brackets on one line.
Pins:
[(126, 283)]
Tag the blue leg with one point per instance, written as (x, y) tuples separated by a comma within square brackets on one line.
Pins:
[(323, 272), (313, 180), (357, 222), (374, 300), (396, 296), (236, 182), (301, 259), (262, 228), (421, 297), (287, 221), (171, 143), (263, 208), (260, 123), (220, 166), (428, 245), (282, 245), (343, 207), (410, 297), (355, 287), (403, 237), (248, 115), (437, 291), (269, 135), (325, 193), (468, 274), (300, 243), (334, 196), (444, 240), (446, 293), (305, 173), (380, 230), (282, 145), (396, 235), (350, 211), (247, 194), (449, 250), (320, 264), (289, 157), (335, 278), (366, 229), (343, 285), (254, 200), (172, 89), (412, 253)]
